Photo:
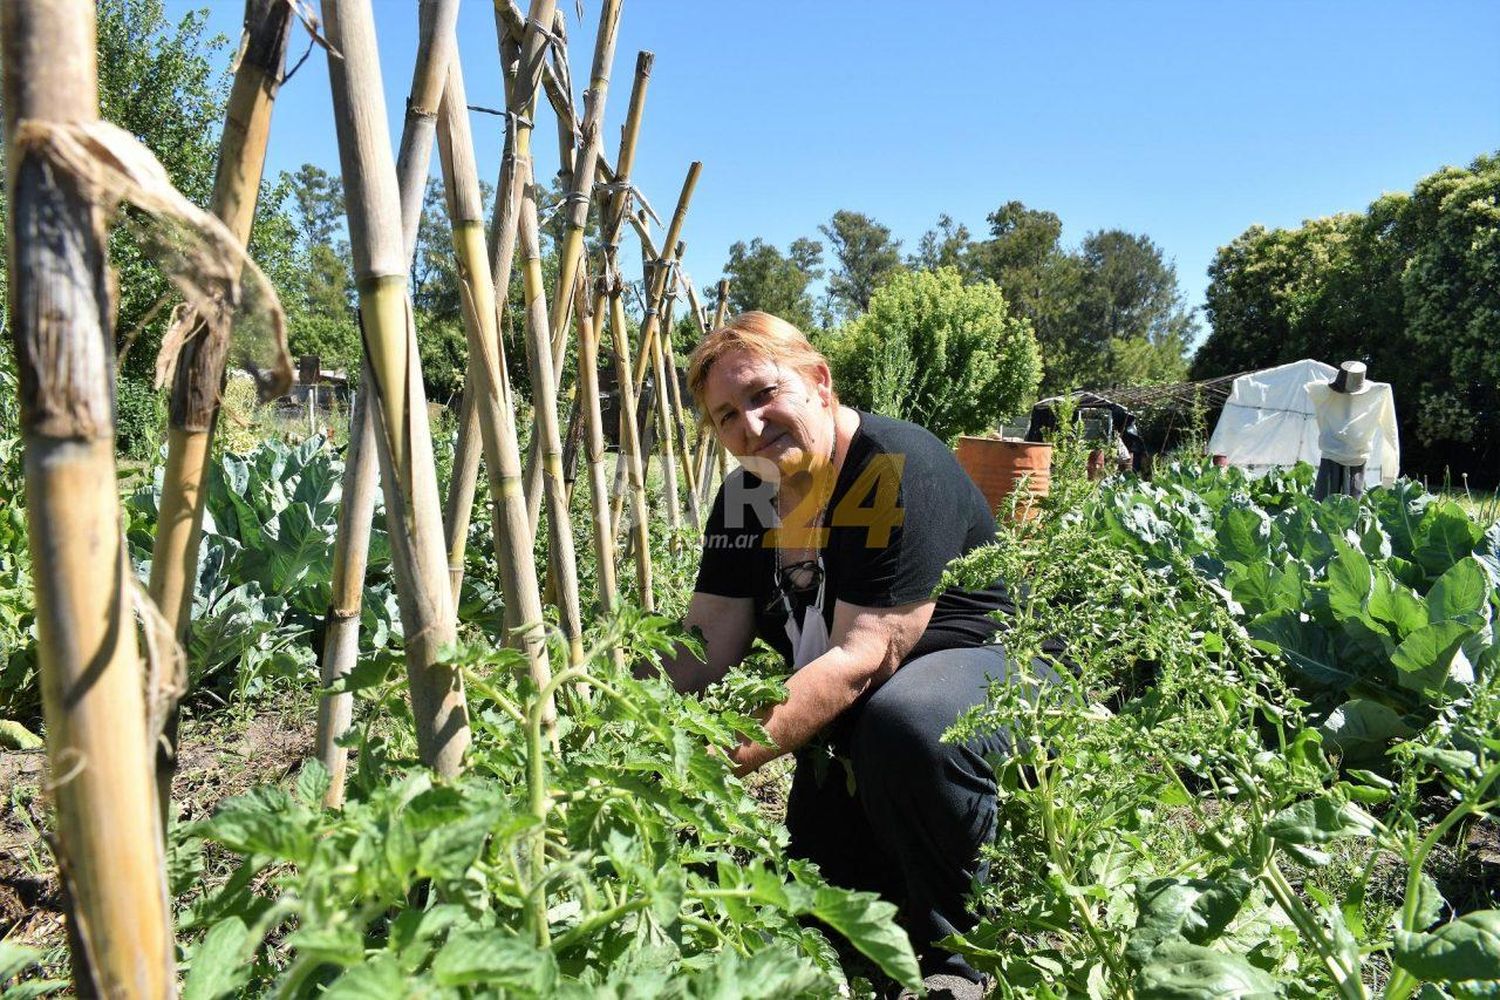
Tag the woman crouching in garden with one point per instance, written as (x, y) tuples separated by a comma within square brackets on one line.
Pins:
[(828, 543)]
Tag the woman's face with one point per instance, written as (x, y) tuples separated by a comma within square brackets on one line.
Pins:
[(765, 411)]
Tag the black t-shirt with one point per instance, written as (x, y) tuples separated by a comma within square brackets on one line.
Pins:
[(901, 510)]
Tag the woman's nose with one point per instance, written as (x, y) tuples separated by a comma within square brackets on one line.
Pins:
[(754, 423)]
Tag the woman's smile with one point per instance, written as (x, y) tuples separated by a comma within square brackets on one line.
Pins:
[(775, 440)]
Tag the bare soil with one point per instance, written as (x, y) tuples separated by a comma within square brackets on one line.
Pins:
[(222, 754)]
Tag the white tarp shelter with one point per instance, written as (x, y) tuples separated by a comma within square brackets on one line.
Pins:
[(1268, 421)]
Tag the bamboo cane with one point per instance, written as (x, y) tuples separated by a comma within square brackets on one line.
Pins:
[(109, 842), (435, 25), (199, 375), (721, 308), (520, 213), (669, 391), (511, 23), (655, 281), (721, 314), (609, 296), (593, 421), (658, 278), (704, 445), (679, 407), (544, 403), (631, 457), (494, 416), (673, 392), (403, 440), (581, 190), (523, 60), (458, 505), (652, 342), (578, 170), (351, 552)]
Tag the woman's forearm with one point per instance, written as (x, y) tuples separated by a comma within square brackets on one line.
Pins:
[(816, 695), (688, 673)]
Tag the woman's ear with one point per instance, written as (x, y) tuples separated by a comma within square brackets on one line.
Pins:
[(823, 379)]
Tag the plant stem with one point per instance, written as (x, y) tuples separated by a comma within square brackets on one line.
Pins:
[(1402, 982), (598, 920), (1348, 983)]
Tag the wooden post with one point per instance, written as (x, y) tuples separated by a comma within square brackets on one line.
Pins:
[(99, 752), (397, 398), (199, 377)]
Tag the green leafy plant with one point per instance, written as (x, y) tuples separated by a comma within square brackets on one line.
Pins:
[(1171, 824), (623, 861), (1383, 608), (264, 566), (949, 356)]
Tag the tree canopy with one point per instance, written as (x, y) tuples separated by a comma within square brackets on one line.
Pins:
[(864, 252), (947, 355), (762, 277), (1411, 287), (1106, 313)]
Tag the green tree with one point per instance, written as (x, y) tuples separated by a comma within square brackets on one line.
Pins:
[(1451, 296), (1408, 286), (1130, 313), (761, 277), (863, 253), (318, 294), (434, 268), (318, 197), (157, 81), (931, 349), (1042, 282), (946, 244)]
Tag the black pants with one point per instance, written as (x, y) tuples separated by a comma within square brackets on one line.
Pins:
[(1335, 478), (919, 808)]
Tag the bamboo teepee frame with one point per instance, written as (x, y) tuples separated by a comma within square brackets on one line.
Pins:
[(199, 378), (102, 713), (396, 396), (435, 47), (109, 844), (560, 548), (486, 381)]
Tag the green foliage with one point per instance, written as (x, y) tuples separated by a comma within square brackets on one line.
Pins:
[(20, 696), (1406, 286), (444, 345), (140, 419), (624, 861), (158, 81), (312, 272), (761, 277), (1109, 313), (933, 350), (1169, 824), (865, 253), (1383, 608)]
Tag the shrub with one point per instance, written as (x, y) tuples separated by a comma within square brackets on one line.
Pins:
[(140, 418), (949, 356)]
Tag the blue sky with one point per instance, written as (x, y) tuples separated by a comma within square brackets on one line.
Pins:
[(1187, 121)]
